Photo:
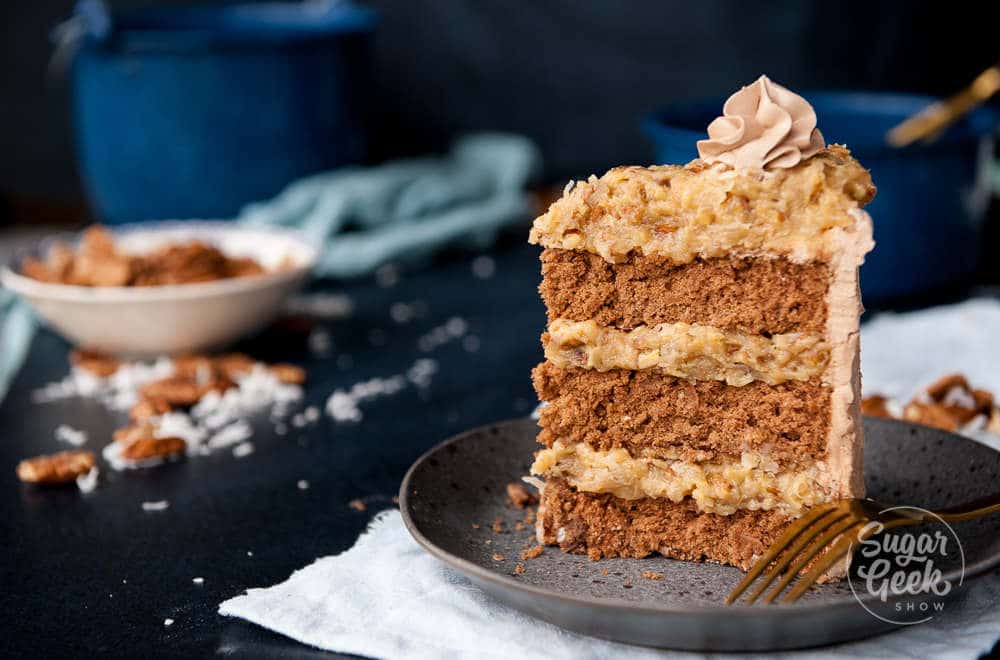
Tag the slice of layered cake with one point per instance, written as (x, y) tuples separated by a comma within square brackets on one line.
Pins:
[(701, 372)]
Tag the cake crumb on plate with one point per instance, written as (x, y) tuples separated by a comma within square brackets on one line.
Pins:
[(532, 553)]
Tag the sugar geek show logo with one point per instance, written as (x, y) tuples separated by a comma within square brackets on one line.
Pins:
[(904, 575)]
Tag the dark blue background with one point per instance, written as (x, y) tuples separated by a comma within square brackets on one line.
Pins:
[(575, 76)]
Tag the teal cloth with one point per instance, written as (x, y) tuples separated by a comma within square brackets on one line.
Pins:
[(406, 210), (17, 326)]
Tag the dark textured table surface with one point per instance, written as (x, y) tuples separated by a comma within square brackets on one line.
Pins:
[(95, 574)]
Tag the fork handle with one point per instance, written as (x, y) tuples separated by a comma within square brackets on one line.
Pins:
[(970, 510)]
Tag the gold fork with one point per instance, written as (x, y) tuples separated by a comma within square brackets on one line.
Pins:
[(932, 120), (833, 526)]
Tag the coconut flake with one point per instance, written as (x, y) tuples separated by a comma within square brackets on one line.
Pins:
[(243, 449), (119, 391), (233, 434), (421, 373), (159, 505), (218, 420), (401, 312), (327, 306), (320, 342), (88, 482), (344, 405), (453, 328), (534, 481), (70, 435)]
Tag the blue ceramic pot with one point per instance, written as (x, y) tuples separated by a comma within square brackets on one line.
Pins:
[(931, 199), (196, 111)]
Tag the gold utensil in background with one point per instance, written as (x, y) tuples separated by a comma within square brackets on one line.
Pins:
[(836, 527), (931, 121)]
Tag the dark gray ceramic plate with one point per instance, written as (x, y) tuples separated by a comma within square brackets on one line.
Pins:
[(452, 494)]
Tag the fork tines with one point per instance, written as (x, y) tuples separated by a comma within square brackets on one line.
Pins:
[(830, 526)]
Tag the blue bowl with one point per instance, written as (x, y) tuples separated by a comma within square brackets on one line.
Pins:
[(931, 201), (196, 111)]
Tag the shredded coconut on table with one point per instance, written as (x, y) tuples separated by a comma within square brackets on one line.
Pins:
[(255, 391), (160, 505), (320, 342), (453, 328), (402, 312), (119, 391), (243, 449), (327, 306), (308, 416), (233, 434), (70, 435), (217, 421), (303, 484), (88, 482), (344, 405)]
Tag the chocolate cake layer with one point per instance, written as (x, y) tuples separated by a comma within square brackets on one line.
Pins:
[(753, 295), (606, 526), (690, 420)]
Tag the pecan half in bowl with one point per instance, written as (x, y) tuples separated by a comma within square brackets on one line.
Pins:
[(155, 288)]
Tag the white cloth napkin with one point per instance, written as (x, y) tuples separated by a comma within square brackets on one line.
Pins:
[(385, 597)]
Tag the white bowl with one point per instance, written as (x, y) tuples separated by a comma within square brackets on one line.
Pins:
[(179, 318)]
